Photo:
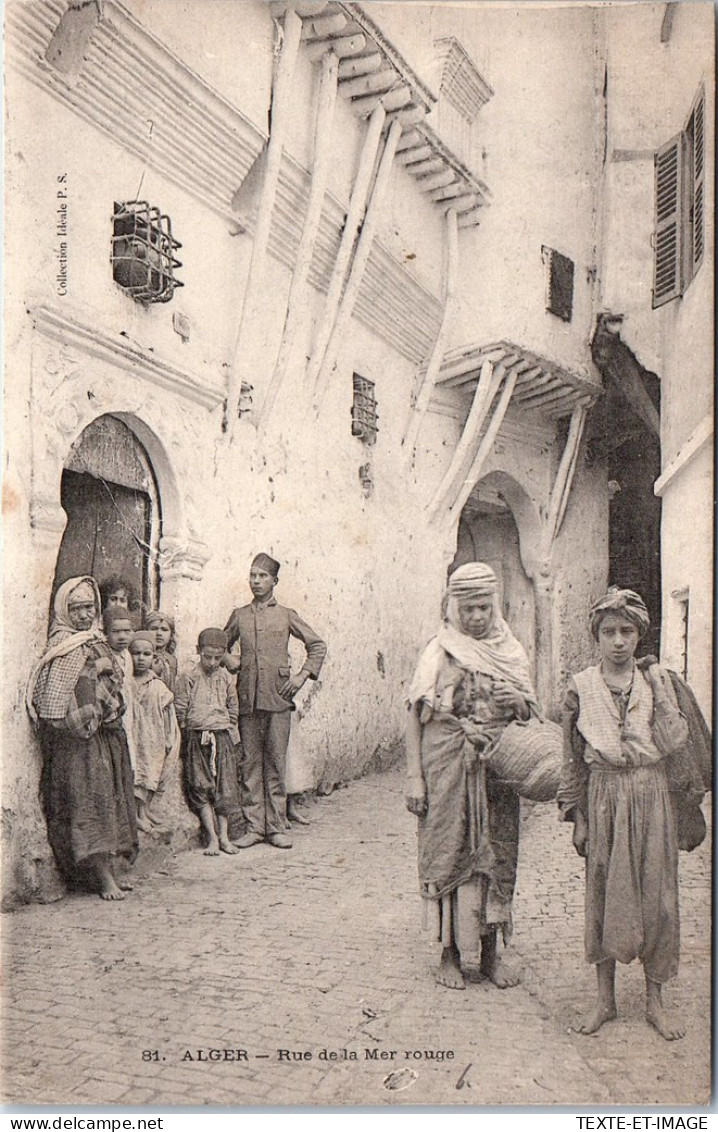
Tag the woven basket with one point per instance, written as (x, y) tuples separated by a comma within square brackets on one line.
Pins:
[(529, 757)]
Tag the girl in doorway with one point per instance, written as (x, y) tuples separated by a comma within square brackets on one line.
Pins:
[(164, 664)]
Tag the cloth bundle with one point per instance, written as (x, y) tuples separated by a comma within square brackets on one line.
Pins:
[(528, 758)]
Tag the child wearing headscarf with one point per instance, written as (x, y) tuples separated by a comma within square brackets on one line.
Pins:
[(152, 725), (624, 740), (162, 625), (207, 710)]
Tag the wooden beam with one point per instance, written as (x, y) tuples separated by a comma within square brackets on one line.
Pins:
[(323, 26), (490, 379), (343, 47), (244, 354), (528, 376), (409, 117), (432, 165), (298, 299), (359, 65), (464, 204), (410, 140), (410, 156), (397, 98), (558, 500), (452, 188), (485, 446), (367, 84), (471, 218), (538, 383), (426, 386), (359, 262), (354, 218), (468, 369), (437, 181)]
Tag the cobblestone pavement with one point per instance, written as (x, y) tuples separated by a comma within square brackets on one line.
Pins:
[(319, 952)]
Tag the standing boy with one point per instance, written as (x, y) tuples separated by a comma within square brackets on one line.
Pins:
[(206, 708), (266, 694)]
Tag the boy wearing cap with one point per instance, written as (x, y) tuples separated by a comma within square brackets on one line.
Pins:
[(266, 693), (206, 708)]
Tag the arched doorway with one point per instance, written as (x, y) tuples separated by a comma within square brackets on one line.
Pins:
[(488, 533), (109, 493)]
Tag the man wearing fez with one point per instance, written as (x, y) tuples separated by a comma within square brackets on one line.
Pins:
[(267, 689)]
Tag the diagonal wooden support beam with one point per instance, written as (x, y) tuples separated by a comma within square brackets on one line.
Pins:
[(355, 216), (426, 387), (563, 482), (244, 357), (487, 443), (490, 378), (297, 302), (361, 258)]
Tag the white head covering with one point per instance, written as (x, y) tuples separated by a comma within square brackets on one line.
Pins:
[(497, 654), (53, 679)]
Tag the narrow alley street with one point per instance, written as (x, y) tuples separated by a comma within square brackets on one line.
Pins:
[(313, 962)]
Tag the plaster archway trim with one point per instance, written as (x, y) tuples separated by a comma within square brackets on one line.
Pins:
[(526, 513), (72, 388)]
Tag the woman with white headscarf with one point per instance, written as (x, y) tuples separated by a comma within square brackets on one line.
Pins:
[(75, 700), (471, 681)]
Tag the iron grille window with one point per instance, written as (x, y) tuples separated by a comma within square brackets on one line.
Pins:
[(559, 296), (143, 247), (364, 414), (679, 218)]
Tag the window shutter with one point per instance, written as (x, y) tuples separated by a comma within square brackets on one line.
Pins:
[(698, 179), (667, 231)]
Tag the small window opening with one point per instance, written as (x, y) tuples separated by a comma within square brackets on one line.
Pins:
[(559, 297), (364, 414), (143, 247)]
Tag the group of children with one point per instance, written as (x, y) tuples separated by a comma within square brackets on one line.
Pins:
[(197, 710), (146, 663), (225, 705)]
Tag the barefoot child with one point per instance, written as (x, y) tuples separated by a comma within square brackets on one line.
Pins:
[(153, 726), (621, 727), (207, 711), (162, 625)]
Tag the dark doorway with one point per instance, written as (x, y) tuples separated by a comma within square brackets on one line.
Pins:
[(110, 496), (488, 533), (624, 431)]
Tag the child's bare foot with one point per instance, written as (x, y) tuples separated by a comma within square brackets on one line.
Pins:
[(212, 849), (449, 972), (295, 814), (109, 889), (656, 1014), (501, 975), (602, 1012), (472, 973), (227, 846)]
